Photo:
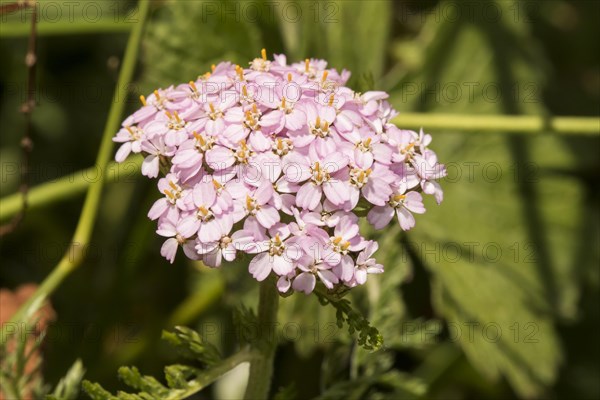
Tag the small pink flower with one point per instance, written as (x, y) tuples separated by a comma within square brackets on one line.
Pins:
[(132, 138), (155, 148), (320, 178), (403, 205), (278, 254), (213, 253), (175, 199), (173, 231), (365, 264)]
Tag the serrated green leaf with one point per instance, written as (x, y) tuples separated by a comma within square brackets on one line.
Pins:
[(191, 345), (177, 376), (95, 391), (132, 377), (130, 396), (368, 336), (182, 380)]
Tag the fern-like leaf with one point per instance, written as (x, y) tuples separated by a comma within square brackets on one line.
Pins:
[(368, 336)]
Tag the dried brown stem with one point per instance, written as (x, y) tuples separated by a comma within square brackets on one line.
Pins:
[(26, 109)]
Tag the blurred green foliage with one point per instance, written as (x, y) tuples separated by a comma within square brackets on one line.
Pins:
[(494, 294)]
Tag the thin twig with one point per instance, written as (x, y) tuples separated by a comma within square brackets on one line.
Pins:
[(26, 109)]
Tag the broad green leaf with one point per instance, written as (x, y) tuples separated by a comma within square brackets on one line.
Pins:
[(186, 37), (349, 34), (503, 246)]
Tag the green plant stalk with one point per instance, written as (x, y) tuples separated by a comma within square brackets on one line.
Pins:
[(261, 367), (76, 183), (74, 254), (68, 186), (17, 29), (522, 124)]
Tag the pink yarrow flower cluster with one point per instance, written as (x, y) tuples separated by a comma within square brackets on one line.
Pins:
[(275, 160)]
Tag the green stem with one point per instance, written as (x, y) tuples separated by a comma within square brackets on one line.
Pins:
[(104, 25), (69, 186), (261, 367), (522, 124), (74, 254)]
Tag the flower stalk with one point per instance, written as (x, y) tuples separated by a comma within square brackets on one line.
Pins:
[(516, 124), (261, 367)]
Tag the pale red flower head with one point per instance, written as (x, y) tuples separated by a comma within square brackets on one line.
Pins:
[(274, 160)]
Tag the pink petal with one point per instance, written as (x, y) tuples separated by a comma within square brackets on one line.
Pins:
[(260, 267), (204, 194), (169, 249), (334, 162), (241, 238), (159, 207), (188, 226), (336, 191), (175, 137), (229, 253), (295, 120), (377, 192), (379, 217), (123, 152), (283, 284), (406, 219), (296, 168), (190, 251), (267, 216), (210, 231), (205, 248), (271, 118), (328, 278), (414, 202), (219, 158), (282, 265), (150, 166), (347, 268), (361, 276), (235, 133), (259, 141), (308, 196), (213, 259), (305, 282)]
